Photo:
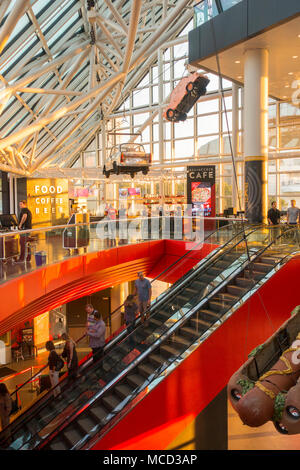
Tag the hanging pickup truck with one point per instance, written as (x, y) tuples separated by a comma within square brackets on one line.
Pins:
[(184, 96), (267, 387), (127, 158)]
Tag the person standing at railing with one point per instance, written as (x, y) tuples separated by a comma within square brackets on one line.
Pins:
[(96, 333), (24, 223), (143, 291), (122, 225), (293, 217), (5, 406), (70, 354), (274, 221), (111, 216)]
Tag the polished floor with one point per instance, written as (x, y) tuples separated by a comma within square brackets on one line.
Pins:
[(241, 437)]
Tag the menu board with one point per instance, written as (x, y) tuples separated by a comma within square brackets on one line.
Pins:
[(201, 189)]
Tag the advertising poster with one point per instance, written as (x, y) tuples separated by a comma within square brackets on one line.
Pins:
[(201, 189)]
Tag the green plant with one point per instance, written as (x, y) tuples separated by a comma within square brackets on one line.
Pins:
[(279, 406), (246, 385)]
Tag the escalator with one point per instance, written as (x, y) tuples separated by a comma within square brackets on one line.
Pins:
[(193, 306)]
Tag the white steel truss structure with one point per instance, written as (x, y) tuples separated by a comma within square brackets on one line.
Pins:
[(67, 64)]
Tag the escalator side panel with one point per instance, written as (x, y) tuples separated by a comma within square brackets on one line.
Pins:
[(182, 395)]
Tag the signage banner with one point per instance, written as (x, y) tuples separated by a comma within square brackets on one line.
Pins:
[(48, 201), (201, 192)]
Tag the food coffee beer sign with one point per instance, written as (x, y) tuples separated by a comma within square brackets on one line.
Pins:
[(48, 201), (201, 188)]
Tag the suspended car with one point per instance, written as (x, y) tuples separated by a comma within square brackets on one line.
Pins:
[(184, 96), (267, 386), (127, 158)]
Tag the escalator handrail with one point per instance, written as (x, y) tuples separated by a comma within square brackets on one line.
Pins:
[(160, 369), (141, 357), (118, 338), (207, 259)]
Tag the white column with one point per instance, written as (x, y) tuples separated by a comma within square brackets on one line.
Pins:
[(256, 133), (235, 142), (161, 100)]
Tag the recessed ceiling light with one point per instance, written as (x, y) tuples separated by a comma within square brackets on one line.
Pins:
[(284, 96), (295, 57), (240, 76), (287, 86), (291, 73), (237, 61)]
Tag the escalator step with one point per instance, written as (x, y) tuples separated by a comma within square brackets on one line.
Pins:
[(214, 271), (191, 290), (264, 267), (269, 260), (135, 380), (181, 340), (207, 278), (236, 290), (156, 359), (155, 322), (146, 369), (169, 350), (182, 299), (87, 423), (242, 281), (198, 284), (217, 306), (228, 298), (165, 314), (253, 274), (111, 401), (223, 263), (199, 324), (190, 332), (123, 390), (98, 412), (58, 445), (210, 313), (73, 434)]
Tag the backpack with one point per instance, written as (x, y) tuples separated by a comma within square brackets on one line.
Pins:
[(15, 407), (59, 364)]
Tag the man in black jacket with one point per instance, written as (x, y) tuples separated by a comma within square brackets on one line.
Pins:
[(24, 223), (274, 220)]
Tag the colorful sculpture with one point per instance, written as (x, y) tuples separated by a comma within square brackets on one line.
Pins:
[(267, 386)]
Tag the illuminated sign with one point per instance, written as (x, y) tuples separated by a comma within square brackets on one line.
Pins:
[(48, 201)]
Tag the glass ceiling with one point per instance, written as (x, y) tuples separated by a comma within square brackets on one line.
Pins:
[(67, 63)]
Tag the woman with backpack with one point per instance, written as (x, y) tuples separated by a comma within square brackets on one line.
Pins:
[(55, 364), (70, 354), (5, 405)]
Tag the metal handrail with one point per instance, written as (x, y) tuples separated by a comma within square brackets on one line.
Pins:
[(183, 256), (106, 219), (158, 341)]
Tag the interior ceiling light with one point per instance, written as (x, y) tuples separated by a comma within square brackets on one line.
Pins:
[(237, 61), (295, 57), (291, 73)]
